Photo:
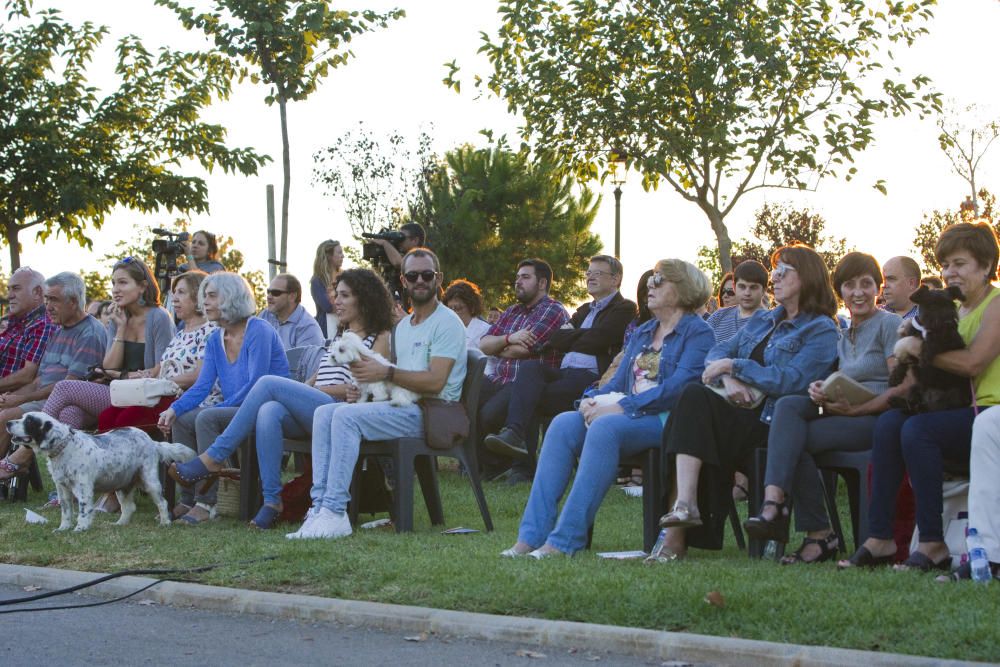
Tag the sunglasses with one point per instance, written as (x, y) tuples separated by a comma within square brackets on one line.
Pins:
[(276, 292), (412, 276), (728, 292), (781, 270), (655, 280)]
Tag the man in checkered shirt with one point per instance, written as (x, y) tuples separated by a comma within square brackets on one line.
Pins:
[(520, 333), (22, 342)]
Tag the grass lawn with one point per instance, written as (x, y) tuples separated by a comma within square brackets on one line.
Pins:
[(880, 611)]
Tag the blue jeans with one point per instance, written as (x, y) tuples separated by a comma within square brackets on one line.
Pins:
[(279, 408), (917, 444), (599, 449), (338, 430)]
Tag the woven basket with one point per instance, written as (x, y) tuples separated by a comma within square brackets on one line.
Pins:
[(228, 500)]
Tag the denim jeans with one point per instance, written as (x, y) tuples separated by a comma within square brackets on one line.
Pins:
[(197, 429), (918, 444), (279, 408), (338, 430), (599, 449)]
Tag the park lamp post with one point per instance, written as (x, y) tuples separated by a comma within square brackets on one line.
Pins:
[(617, 168)]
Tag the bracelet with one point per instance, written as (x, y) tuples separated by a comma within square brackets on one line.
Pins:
[(119, 340), (506, 339), (390, 374)]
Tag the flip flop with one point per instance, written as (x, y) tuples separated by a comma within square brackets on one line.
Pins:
[(864, 558), (922, 563), (266, 517), (680, 516), (190, 473), (191, 520)]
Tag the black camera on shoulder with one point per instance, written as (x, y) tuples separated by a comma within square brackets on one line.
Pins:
[(167, 251), (375, 253)]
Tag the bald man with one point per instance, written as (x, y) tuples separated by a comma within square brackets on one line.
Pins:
[(901, 277)]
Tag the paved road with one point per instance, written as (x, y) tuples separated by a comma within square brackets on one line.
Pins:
[(131, 633)]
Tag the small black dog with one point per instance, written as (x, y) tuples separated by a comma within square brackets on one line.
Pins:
[(937, 324)]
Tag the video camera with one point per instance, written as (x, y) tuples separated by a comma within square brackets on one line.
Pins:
[(167, 251), (375, 253)]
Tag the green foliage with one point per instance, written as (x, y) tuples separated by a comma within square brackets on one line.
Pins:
[(930, 228), (487, 209), (716, 99), (97, 284), (69, 156), (776, 225)]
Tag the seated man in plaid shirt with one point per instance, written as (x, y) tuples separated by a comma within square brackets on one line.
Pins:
[(520, 333), (22, 343)]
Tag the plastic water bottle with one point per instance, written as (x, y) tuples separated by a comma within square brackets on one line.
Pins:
[(655, 554), (978, 560)]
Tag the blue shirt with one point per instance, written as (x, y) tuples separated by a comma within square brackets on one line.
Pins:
[(578, 359), (261, 354), (799, 351), (682, 360), (300, 329)]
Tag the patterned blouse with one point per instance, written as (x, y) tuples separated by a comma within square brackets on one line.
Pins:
[(183, 354)]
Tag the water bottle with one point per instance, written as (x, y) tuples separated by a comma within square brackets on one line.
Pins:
[(770, 550), (978, 560), (656, 553)]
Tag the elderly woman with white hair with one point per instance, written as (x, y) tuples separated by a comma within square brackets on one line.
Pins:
[(237, 354), (663, 355)]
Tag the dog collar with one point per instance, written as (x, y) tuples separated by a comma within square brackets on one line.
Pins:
[(918, 326), (55, 450)]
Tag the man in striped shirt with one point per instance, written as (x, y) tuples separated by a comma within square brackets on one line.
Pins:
[(750, 283)]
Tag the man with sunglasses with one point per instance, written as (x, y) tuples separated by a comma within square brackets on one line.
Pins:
[(750, 286), (285, 313), (520, 334), (593, 338)]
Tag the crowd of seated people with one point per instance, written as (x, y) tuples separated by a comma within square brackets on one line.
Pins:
[(614, 379)]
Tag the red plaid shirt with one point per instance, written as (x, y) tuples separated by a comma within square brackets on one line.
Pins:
[(24, 340), (542, 319)]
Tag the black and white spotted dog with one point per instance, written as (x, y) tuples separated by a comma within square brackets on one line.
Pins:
[(82, 465)]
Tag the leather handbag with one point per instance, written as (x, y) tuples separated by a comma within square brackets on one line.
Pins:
[(142, 392), (445, 422)]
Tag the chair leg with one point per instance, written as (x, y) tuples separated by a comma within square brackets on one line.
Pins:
[(169, 487), (857, 487), (734, 521), (402, 493), (653, 505), (477, 489), (249, 476), (353, 507), (829, 478), (755, 548), (426, 469), (35, 475)]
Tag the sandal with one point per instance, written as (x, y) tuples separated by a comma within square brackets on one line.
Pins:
[(740, 493), (964, 572), (680, 516), (828, 546), (8, 470), (266, 517), (180, 509), (759, 528), (864, 558), (190, 473), (922, 563), (200, 513)]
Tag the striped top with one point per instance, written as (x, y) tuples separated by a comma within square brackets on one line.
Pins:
[(726, 323), (330, 374)]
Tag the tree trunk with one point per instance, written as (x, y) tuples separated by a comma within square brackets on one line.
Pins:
[(286, 183), (15, 246), (722, 236)]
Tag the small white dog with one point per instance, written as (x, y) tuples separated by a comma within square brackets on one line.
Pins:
[(82, 464), (607, 399), (348, 349)]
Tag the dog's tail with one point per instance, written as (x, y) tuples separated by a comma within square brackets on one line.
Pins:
[(172, 451)]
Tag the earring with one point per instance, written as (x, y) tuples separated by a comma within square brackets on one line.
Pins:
[(142, 301)]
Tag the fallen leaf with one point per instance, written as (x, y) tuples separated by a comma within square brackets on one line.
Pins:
[(422, 637), (715, 599), (593, 658), (524, 653), (146, 603), (32, 589)]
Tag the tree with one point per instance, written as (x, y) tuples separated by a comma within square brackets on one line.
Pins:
[(929, 230), (96, 284), (965, 145), (289, 44), (486, 209), (374, 179), (717, 99), (68, 156), (777, 225)]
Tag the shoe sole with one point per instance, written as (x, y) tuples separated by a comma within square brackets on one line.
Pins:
[(498, 446)]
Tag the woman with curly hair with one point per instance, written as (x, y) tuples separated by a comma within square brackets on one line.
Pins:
[(278, 407), (466, 300)]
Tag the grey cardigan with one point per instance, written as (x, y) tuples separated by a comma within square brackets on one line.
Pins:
[(160, 329)]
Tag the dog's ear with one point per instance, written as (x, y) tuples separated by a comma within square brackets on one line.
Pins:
[(955, 293), (920, 295)]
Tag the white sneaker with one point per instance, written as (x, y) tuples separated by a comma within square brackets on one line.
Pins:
[(329, 525), (306, 526)]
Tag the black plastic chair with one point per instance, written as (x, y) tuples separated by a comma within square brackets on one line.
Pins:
[(412, 456), (853, 468)]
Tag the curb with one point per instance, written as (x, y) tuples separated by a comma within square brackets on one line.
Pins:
[(651, 644)]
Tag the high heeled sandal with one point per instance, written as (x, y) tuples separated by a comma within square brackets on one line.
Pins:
[(759, 528), (828, 547)]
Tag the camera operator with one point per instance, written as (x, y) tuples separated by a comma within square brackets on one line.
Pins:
[(202, 252), (414, 237)]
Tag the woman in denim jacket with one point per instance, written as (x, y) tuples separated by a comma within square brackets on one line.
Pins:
[(663, 355), (778, 353)]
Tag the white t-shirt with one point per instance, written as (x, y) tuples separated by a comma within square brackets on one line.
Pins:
[(475, 330), (440, 335)]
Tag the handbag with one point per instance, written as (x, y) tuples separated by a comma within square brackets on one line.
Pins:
[(142, 392), (445, 422)]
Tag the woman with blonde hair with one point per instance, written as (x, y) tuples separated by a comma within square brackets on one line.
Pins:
[(326, 268)]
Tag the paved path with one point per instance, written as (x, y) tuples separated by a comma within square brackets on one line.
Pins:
[(131, 633)]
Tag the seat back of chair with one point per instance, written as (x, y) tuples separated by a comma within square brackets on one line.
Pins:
[(303, 361)]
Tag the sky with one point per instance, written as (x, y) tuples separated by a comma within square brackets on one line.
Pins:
[(394, 84)]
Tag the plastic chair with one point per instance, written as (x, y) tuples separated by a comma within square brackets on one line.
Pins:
[(412, 456), (853, 468)]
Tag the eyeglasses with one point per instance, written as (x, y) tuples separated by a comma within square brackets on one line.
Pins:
[(276, 292), (412, 276), (728, 292), (780, 270), (655, 280), (596, 274)]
